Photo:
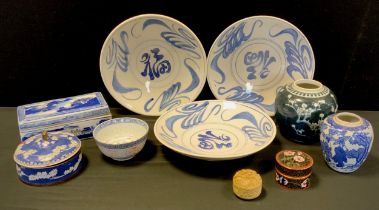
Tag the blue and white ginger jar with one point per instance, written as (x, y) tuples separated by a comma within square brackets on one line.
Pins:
[(346, 140), (301, 107)]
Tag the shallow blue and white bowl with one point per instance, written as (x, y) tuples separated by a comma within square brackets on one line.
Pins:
[(121, 138)]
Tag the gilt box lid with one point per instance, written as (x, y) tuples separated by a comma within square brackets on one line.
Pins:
[(294, 163), (47, 149), (63, 110)]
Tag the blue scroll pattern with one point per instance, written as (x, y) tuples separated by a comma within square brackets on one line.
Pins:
[(117, 58), (209, 141), (230, 41), (238, 93), (177, 37), (191, 115), (299, 55), (183, 40), (257, 131)]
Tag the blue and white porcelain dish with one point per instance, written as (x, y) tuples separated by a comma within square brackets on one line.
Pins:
[(151, 63), (121, 138), (215, 129), (48, 158), (251, 58)]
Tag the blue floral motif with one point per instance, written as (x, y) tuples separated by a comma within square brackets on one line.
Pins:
[(299, 55), (209, 141), (191, 115), (173, 95), (117, 58), (179, 38), (260, 59), (157, 67), (257, 130), (240, 94), (230, 41)]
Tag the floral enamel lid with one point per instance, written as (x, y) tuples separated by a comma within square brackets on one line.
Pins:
[(46, 149), (294, 162)]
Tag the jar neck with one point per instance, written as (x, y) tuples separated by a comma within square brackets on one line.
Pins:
[(307, 86), (348, 119)]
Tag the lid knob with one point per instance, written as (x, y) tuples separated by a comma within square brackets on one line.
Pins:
[(45, 135)]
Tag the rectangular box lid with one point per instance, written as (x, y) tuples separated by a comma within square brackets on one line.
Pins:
[(63, 110)]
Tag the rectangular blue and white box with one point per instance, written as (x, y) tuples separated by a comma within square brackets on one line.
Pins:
[(78, 115)]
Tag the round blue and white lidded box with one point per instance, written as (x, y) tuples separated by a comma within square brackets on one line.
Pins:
[(48, 158)]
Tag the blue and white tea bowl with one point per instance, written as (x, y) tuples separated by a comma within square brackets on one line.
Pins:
[(121, 138)]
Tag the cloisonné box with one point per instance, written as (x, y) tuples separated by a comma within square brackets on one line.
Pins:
[(78, 115), (293, 169)]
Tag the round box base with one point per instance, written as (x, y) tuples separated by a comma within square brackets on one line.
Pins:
[(292, 183)]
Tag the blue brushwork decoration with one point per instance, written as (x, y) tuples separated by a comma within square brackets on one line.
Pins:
[(155, 65), (230, 41), (299, 56), (173, 96), (177, 37), (258, 63), (238, 93), (210, 141)]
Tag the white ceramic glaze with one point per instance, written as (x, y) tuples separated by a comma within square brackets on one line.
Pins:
[(121, 138), (151, 63), (251, 58), (215, 129)]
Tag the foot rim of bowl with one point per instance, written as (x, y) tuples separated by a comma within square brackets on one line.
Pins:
[(123, 159)]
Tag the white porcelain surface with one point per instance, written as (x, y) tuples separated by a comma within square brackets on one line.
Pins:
[(121, 138), (254, 56), (215, 129), (152, 63)]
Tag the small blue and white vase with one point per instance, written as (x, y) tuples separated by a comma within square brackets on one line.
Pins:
[(300, 108), (346, 141)]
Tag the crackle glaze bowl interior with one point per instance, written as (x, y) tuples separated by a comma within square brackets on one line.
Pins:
[(151, 63), (251, 58), (215, 129), (121, 138)]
